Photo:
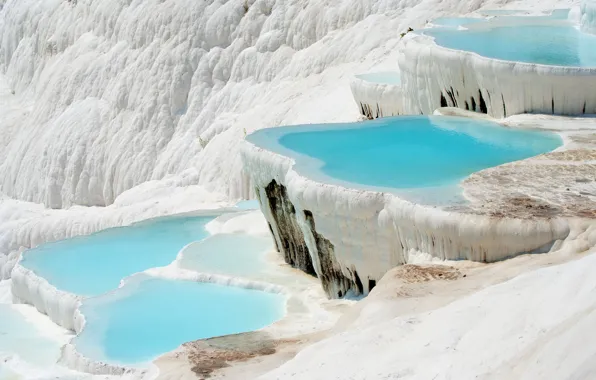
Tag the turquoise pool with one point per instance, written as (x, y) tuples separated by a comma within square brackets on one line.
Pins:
[(151, 316), (557, 44), (406, 152), (94, 264)]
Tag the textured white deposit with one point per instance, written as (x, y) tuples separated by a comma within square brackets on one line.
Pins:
[(377, 99), (117, 111), (535, 326), (507, 88), (373, 232), (588, 16)]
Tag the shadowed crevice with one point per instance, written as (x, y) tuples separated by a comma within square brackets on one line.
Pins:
[(443, 100)]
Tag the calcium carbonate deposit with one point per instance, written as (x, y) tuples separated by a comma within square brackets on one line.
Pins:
[(116, 112)]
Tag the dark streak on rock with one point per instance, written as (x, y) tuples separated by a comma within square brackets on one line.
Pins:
[(290, 235), (331, 275), (466, 105), (367, 111), (371, 284), (452, 97), (552, 105), (296, 253), (443, 100), (504, 108), (358, 283), (473, 103), (483, 108), (584, 109)]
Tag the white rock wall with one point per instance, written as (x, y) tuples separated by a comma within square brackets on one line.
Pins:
[(431, 73), (60, 306), (588, 16), (119, 93), (376, 99), (74, 360), (372, 232)]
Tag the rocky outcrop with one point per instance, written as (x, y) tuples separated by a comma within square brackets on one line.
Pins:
[(291, 234), (287, 233)]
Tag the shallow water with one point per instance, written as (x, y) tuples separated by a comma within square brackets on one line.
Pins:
[(251, 204), (561, 45), (94, 264), (402, 152), (239, 255), (151, 316), (21, 338)]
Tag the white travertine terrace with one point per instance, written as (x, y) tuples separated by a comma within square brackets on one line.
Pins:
[(136, 106), (376, 99), (434, 76), (353, 237)]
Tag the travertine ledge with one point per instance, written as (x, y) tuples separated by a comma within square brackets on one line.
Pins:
[(350, 238), (434, 76), (376, 100)]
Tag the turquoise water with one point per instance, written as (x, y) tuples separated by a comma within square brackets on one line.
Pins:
[(238, 255), (94, 264), (402, 152), (561, 45), (456, 21), (151, 316), (559, 14), (381, 77), (251, 204), (20, 337)]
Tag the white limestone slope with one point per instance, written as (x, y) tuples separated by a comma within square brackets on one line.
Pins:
[(118, 93), (467, 80), (534, 326), (126, 92)]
